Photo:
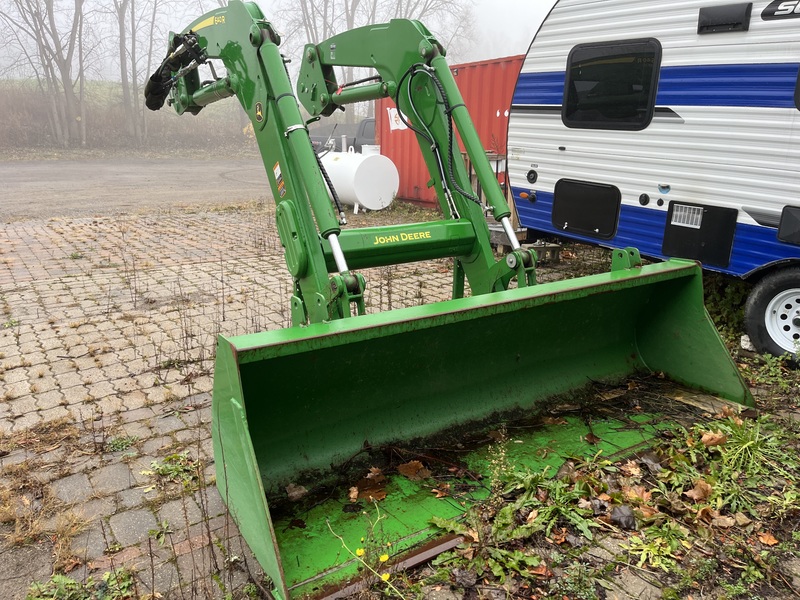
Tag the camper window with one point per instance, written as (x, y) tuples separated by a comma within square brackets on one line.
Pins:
[(611, 85)]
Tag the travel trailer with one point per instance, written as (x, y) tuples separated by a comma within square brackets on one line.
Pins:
[(673, 127)]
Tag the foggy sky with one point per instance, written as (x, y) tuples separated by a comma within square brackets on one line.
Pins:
[(506, 27)]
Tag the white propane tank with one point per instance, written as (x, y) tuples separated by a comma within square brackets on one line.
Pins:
[(370, 181)]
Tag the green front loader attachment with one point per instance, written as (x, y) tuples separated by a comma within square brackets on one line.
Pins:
[(299, 413), (295, 406)]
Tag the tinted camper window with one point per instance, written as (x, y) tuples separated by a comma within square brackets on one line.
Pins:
[(611, 85)]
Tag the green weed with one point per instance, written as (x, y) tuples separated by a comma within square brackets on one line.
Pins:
[(115, 585), (177, 468), (119, 444)]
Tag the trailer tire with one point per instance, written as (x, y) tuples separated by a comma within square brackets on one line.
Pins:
[(772, 313)]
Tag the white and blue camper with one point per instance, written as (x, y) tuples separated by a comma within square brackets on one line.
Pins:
[(673, 127)]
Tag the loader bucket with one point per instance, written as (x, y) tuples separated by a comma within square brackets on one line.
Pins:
[(295, 406)]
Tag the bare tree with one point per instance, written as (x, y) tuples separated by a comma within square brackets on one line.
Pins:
[(311, 21), (48, 34)]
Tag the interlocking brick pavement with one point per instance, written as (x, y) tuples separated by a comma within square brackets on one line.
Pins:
[(108, 324)]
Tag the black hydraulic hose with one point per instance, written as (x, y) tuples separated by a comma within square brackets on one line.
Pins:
[(413, 71), (450, 157), (329, 183)]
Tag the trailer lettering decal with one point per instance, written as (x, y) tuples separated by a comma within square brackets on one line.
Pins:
[(781, 9), (403, 237)]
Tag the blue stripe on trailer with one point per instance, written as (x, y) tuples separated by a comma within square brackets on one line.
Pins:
[(754, 246), (750, 85)]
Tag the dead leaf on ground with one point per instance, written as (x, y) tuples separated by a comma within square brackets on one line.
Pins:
[(713, 438), (414, 470), (592, 438), (559, 536), (554, 421), (707, 514), (295, 492), (376, 474), (647, 511), (766, 538), (742, 520), (444, 492), (631, 469), (723, 521), (371, 488), (637, 492), (468, 553), (531, 516), (700, 492), (353, 494), (541, 571)]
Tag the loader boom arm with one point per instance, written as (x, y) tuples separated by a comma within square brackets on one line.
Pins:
[(412, 68)]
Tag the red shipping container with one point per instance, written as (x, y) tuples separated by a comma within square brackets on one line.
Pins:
[(487, 87)]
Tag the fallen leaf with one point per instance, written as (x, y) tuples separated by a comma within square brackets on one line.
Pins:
[(726, 411), (713, 438), (631, 469), (72, 563), (497, 436), (567, 472), (766, 538), (559, 536), (700, 492), (637, 492), (742, 520), (414, 470), (554, 421), (443, 492), (584, 504), (531, 516), (467, 553), (723, 522), (353, 494), (604, 497), (374, 495), (707, 514), (622, 516), (647, 511), (592, 439), (376, 474), (295, 492), (541, 571)]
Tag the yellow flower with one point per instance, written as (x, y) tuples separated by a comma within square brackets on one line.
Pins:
[(360, 552), (384, 557), (385, 577)]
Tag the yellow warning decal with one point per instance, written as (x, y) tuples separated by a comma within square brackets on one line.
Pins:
[(215, 20)]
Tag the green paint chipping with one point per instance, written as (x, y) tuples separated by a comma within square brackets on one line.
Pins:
[(313, 557)]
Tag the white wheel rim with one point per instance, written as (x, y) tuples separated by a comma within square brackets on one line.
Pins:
[(783, 320)]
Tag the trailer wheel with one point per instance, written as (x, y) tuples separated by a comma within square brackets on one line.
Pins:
[(772, 313)]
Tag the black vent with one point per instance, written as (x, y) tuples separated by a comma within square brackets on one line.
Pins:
[(728, 17)]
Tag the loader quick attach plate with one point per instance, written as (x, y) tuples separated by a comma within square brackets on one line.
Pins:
[(310, 407)]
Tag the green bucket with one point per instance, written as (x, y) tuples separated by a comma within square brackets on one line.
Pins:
[(291, 405)]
